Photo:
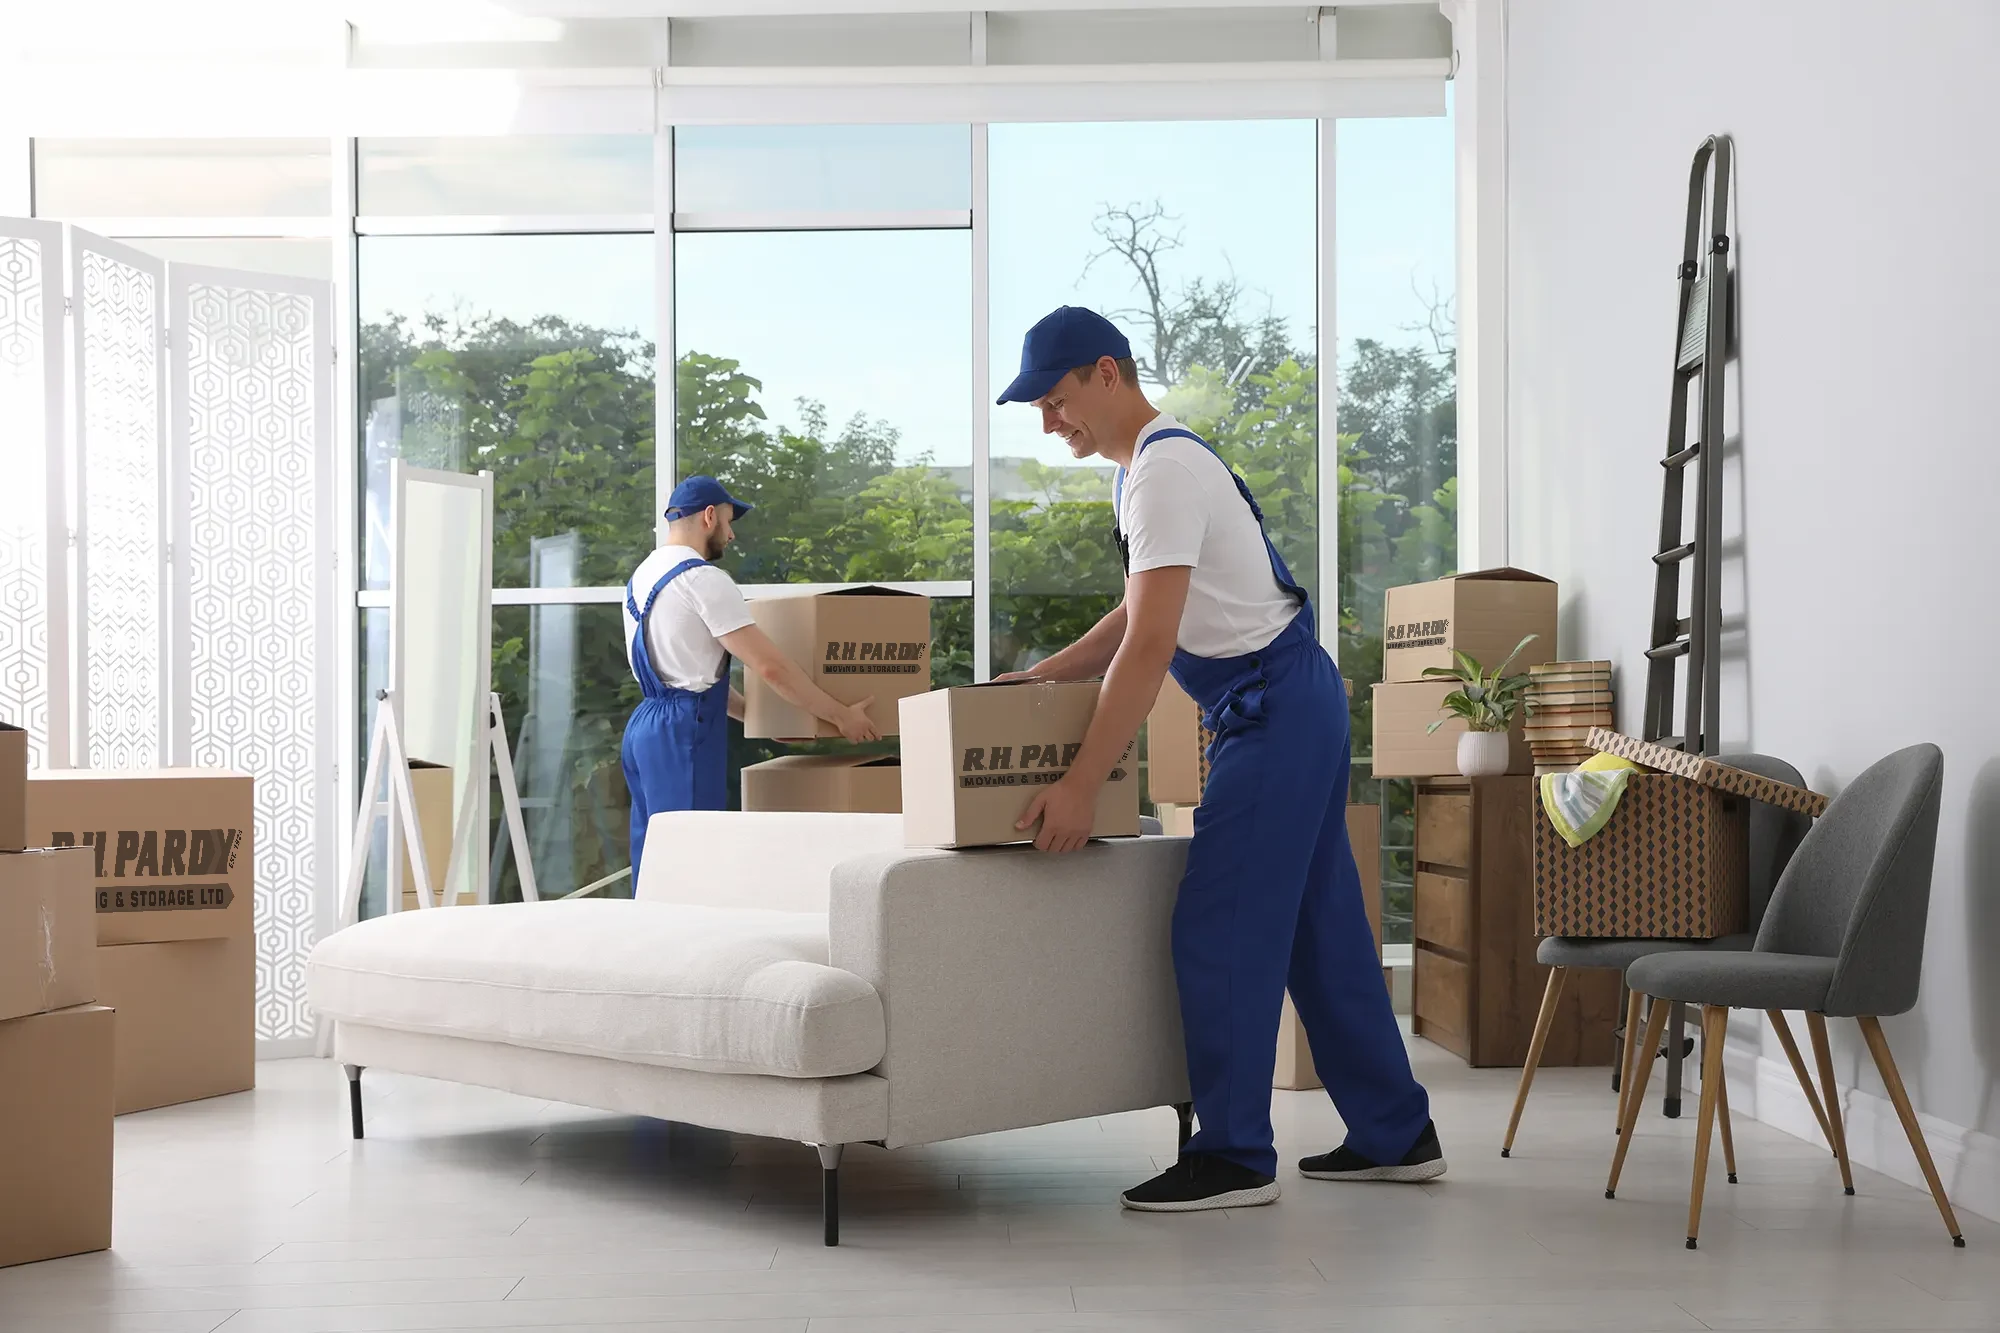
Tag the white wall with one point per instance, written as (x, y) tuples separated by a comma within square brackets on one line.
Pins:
[(1864, 495)]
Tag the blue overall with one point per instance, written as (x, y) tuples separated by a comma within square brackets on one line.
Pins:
[(1271, 900), (676, 747)]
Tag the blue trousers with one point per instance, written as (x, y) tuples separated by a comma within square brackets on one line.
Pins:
[(1270, 901), (676, 756)]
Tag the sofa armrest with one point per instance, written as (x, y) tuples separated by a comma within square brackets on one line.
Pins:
[(1018, 988)]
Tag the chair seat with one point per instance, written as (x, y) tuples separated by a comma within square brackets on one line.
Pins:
[(1737, 980), (1577, 951)]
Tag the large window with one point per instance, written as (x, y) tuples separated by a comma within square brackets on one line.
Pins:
[(527, 356), (1199, 241), (1398, 416)]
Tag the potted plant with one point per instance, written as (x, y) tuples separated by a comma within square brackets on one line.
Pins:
[(1487, 702)]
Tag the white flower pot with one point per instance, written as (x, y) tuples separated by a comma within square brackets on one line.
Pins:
[(1483, 754)]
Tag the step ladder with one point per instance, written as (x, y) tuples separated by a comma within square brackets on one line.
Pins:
[(1701, 350)]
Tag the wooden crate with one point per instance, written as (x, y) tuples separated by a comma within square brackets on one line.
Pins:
[(1477, 987)]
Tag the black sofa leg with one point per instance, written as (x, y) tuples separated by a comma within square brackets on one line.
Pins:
[(1185, 1110), (354, 1097), (829, 1167)]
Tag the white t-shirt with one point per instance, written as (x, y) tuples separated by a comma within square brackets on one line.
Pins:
[(692, 612), (1181, 507)]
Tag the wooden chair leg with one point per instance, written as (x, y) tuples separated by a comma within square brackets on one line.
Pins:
[(1885, 1063), (1714, 1022), (1543, 1022), (1635, 1016), (1722, 1110), (1656, 1021), (1784, 1031), (1816, 1029)]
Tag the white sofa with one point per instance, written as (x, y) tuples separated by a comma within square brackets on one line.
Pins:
[(797, 976)]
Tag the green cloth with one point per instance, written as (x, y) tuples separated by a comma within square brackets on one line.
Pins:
[(1579, 805)]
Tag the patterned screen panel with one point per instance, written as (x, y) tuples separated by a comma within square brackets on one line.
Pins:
[(120, 458), (30, 352), (250, 396)]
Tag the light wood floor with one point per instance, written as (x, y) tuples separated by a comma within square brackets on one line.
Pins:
[(473, 1210)]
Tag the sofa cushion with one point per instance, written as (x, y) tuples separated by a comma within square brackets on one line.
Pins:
[(725, 990)]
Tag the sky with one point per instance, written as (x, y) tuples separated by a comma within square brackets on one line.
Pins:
[(880, 322)]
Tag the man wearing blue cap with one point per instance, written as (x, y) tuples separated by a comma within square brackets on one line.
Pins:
[(1270, 900), (681, 637)]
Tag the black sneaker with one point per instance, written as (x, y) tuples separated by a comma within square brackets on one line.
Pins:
[(1425, 1161), (1199, 1182)]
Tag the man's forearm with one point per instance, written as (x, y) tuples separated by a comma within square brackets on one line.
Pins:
[(1131, 683), (1090, 656), (795, 687)]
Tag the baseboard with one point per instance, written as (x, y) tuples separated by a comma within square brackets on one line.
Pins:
[(1967, 1160), (285, 1048)]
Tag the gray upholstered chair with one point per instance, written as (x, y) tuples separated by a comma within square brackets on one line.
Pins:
[(1774, 836), (1843, 937)]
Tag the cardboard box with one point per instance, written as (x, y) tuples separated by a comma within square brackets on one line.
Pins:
[(48, 931), (431, 789), (1484, 614), (868, 783), (1176, 821), (1707, 773), (13, 788), (1175, 748), (1672, 864), (186, 1019), (856, 643), (55, 1135), (1406, 748), (1294, 1069), (975, 755), (173, 848)]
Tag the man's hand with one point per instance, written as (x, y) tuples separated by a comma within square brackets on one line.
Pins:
[(1007, 676), (1067, 809), (855, 724)]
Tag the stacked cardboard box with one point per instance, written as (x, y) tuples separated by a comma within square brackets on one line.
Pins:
[(176, 956), (1565, 701), (1672, 862), (867, 783), (431, 788), (56, 1045), (855, 643), (1485, 615)]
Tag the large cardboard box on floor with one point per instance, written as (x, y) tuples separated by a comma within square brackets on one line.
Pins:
[(431, 789), (172, 851), (55, 1136), (1405, 747), (1294, 1070), (13, 788), (975, 755), (1484, 614), (186, 1019), (854, 643), (1174, 746), (48, 931), (172, 848), (849, 783)]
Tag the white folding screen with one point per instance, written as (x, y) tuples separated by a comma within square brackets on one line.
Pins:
[(252, 628), (166, 544), (118, 331), (34, 531)]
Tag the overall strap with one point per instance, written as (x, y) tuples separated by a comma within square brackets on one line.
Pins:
[(640, 613)]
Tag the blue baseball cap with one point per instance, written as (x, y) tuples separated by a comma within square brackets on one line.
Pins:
[(1065, 339), (698, 493)]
